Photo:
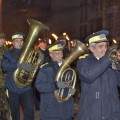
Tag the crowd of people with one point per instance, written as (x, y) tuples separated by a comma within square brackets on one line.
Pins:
[(97, 72)]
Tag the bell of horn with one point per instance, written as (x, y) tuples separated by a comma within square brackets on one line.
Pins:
[(29, 55), (67, 74)]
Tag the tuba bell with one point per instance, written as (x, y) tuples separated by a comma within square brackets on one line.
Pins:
[(67, 74), (29, 55)]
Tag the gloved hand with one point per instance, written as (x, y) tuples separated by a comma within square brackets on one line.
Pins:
[(72, 91), (24, 66), (118, 54), (116, 65), (112, 53), (61, 84)]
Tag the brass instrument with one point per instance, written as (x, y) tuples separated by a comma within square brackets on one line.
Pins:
[(65, 72), (29, 55)]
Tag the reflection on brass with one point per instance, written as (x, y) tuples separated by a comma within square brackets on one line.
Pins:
[(67, 74)]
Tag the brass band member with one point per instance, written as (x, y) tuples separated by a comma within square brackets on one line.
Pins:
[(17, 96), (50, 108), (99, 94)]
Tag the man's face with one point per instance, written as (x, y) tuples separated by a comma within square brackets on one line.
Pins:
[(43, 45), (18, 43), (57, 56), (2, 41), (99, 49)]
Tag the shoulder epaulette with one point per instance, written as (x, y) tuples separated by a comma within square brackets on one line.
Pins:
[(83, 56), (43, 65)]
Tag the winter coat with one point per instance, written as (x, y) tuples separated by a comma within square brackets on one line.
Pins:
[(99, 94), (9, 65), (45, 84)]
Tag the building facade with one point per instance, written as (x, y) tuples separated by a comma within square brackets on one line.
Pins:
[(78, 18), (83, 17)]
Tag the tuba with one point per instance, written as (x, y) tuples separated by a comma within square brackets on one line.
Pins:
[(29, 55), (67, 74)]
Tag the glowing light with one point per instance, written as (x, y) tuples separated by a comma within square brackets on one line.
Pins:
[(8, 42), (72, 43), (39, 39), (114, 41), (50, 41), (55, 36), (64, 33), (87, 44), (67, 37)]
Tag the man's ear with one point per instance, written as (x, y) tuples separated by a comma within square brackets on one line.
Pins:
[(90, 48), (50, 54)]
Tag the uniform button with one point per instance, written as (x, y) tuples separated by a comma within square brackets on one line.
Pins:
[(97, 95), (103, 117)]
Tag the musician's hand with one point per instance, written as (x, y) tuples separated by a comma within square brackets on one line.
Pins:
[(112, 53), (118, 54), (24, 66), (72, 91), (116, 65), (61, 84)]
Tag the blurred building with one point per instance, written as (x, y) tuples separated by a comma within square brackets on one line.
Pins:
[(78, 18), (100, 14), (83, 17), (16, 12), (65, 17)]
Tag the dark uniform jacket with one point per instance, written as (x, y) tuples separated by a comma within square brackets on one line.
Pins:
[(99, 94), (49, 106), (9, 65), (46, 55)]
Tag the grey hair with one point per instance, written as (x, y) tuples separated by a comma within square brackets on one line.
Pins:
[(92, 44)]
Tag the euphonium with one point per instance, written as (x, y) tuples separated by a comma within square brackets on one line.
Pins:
[(29, 55), (67, 74)]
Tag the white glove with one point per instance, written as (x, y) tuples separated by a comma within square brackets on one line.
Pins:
[(72, 91), (61, 84), (24, 66)]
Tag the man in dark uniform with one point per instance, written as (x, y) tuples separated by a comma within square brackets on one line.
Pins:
[(3, 95), (50, 108), (42, 47), (17, 96), (99, 94)]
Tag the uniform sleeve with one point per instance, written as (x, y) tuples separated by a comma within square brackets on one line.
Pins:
[(118, 77), (90, 72), (8, 62), (43, 82)]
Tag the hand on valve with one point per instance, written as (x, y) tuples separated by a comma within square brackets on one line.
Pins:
[(114, 55)]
